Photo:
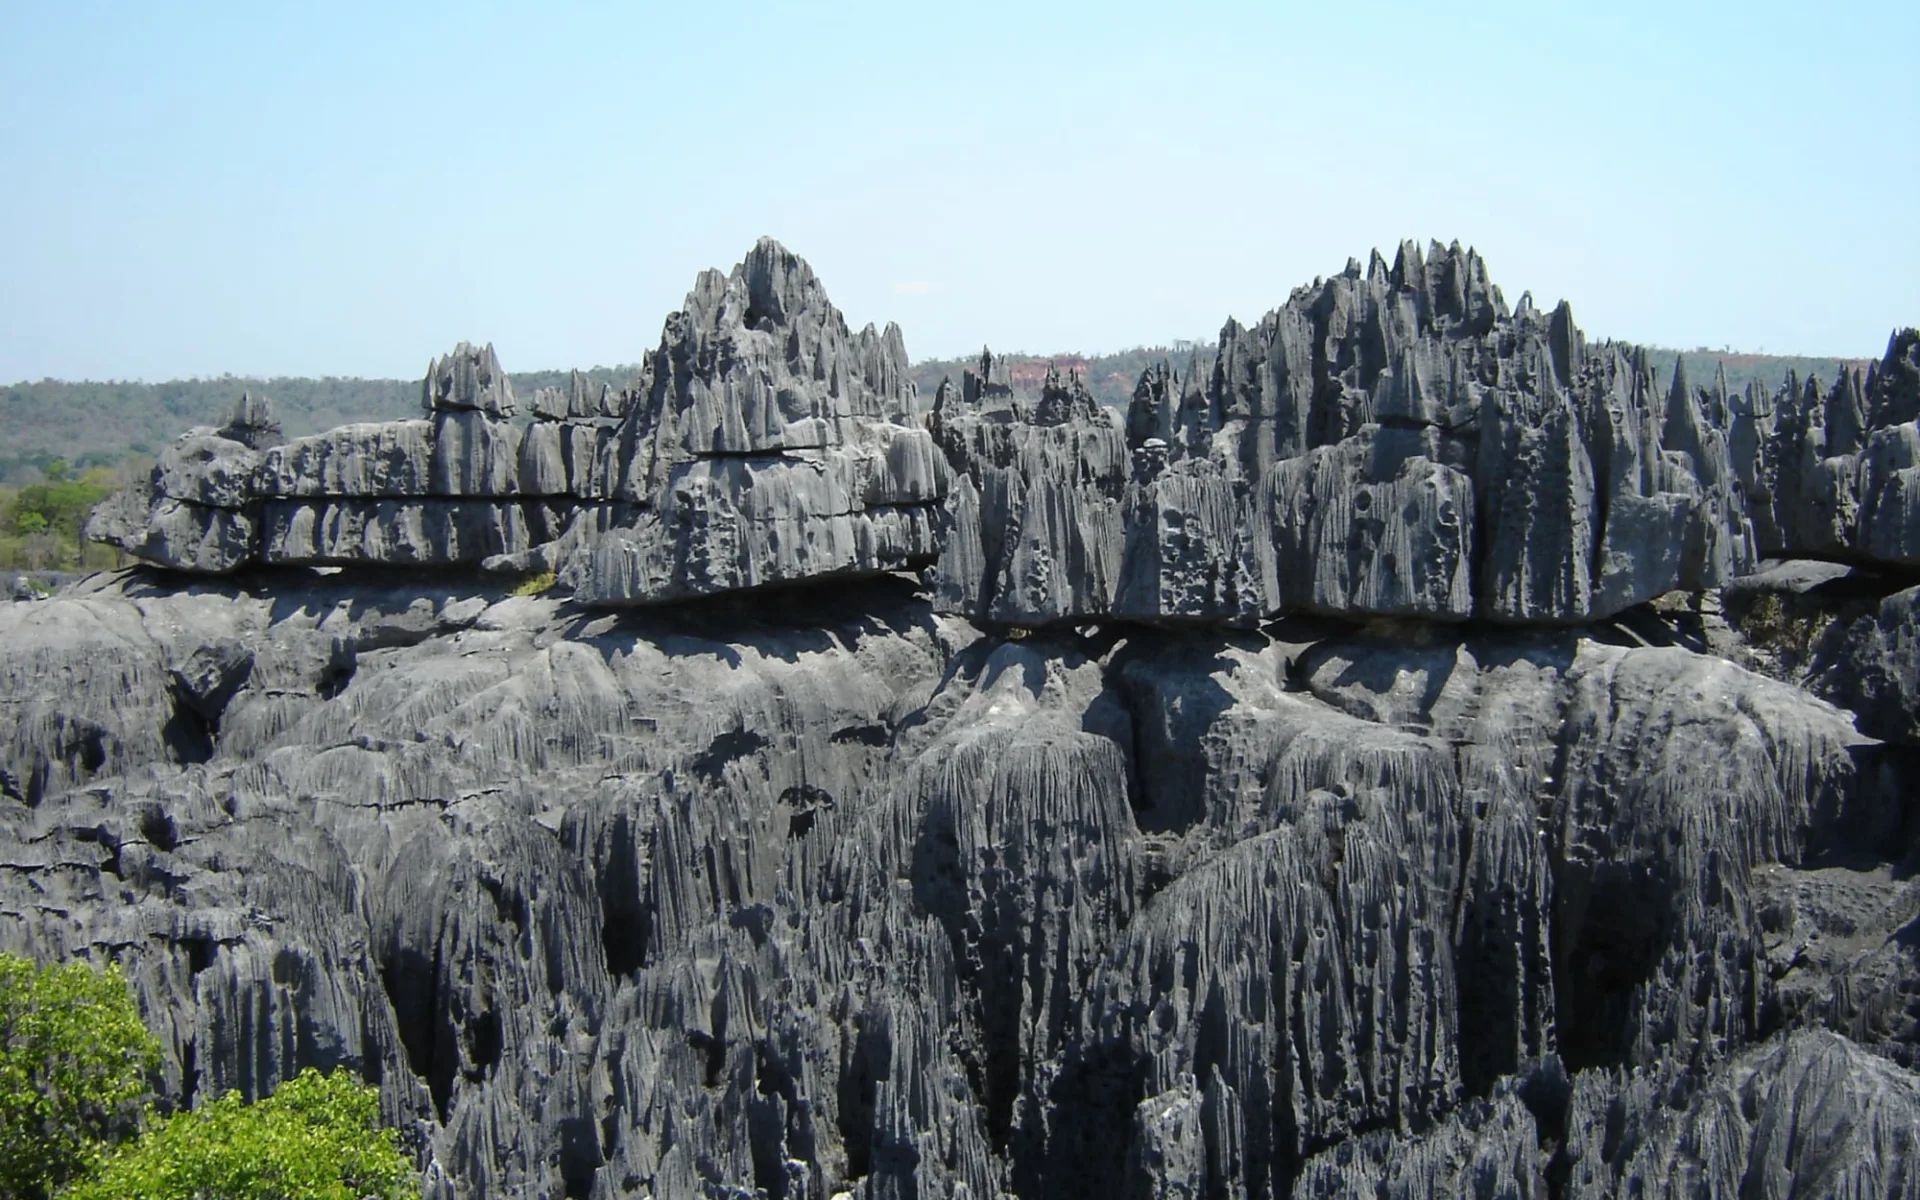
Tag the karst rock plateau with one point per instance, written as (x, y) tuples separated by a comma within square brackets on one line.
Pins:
[(1412, 752)]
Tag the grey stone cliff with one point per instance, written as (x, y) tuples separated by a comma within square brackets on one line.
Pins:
[(762, 443), (1391, 442), (1025, 852), (1837, 475)]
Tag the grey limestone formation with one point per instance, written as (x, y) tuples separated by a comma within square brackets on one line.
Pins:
[(581, 401), (252, 423), (468, 380), (1282, 788), (836, 894), (1837, 476), (1391, 442), (1037, 524), (1806, 1115), (1394, 441), (762, 443), (1875, 669)]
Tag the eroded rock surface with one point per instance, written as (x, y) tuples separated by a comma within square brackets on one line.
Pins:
[(1061, 869), (1875, 668), (762, 443), (1837, 474), (1394, 441), (839, 894)]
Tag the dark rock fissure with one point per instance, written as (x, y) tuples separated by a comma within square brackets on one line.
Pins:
[(200, 952), (189, 1073), (159, 828), (625, 920), (1610, 930), (484, 1045), (726, 748), (190, 735)]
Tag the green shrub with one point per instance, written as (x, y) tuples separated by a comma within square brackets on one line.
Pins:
[(42, 525), (316, 1138), (1769, 625), (74, 1060), (533, 585), (1765, 620)]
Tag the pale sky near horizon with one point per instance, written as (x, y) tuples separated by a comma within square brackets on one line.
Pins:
[(348, 189)]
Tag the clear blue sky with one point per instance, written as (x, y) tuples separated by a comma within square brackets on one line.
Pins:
[(348, 189)]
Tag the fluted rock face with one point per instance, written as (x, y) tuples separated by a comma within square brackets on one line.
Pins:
[(428, 532), (253, 423), (1837, 475), (837, 894), (388, 460), (582, 400), (763, 443), (1681, 778), (453, 490), (469, 379), (1037, 529), (1876, 669), (1027, 853), (567, 917), (1381, 489), (1806, 1115), (1064, 871), (760, 361), (733, 523), (1393, 443)]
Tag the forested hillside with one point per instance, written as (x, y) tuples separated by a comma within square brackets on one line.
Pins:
[(100, 424)]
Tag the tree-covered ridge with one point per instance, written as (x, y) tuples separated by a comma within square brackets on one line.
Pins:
[(89, 424)]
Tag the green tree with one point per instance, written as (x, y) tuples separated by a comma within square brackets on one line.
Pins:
[(74, 1059), (316, 1138), (52, 517)]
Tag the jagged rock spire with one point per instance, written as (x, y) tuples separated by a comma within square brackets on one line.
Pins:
[(470, 378)]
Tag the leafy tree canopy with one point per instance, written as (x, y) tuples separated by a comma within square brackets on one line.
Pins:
[(316, 1138), (74, 1059), (74, 1062)]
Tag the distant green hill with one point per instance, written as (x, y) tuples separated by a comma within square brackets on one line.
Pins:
[(103, 424), (100, 424)]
